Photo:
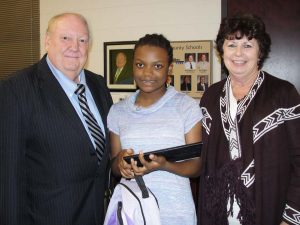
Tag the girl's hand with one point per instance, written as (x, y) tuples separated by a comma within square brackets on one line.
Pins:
[(156, 163), (125, 168)]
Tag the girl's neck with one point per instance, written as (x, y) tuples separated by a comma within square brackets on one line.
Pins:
[(145, 99)]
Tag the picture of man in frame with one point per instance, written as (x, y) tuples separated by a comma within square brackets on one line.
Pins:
[(170, 80), (190, 63), (203, 63), (121, 67), (202, 84)]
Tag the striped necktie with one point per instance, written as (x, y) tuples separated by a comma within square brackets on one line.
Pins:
[(91, 122), (118, 72)]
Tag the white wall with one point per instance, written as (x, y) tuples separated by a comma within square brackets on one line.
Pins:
[(127, 20)]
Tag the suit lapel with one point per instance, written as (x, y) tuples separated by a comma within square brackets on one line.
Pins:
[(57, 97)]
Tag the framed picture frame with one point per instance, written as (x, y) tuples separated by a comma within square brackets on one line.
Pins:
[(192, 66), (118, 58)]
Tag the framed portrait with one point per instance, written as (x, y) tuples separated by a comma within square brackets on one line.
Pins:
[(118, 73), (192, 66)]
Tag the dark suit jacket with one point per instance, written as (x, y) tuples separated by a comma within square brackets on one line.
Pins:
[(200, 87), (125, 76), (48, 167)]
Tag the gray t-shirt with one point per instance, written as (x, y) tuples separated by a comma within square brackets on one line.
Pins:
[(162, 125)]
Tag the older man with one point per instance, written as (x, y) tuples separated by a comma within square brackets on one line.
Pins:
[(53, 151)]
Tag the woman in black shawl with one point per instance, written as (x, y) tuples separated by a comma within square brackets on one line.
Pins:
[(251, 152)]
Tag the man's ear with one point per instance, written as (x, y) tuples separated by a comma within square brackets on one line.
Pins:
[(47, 41)]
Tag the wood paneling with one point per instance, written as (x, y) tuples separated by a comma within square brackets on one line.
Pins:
[(20, 35)]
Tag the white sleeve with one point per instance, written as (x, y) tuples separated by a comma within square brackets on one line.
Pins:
[(191, 113), (113, 120)]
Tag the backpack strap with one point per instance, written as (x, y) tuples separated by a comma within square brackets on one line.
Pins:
[(154, 197), (119, 215), (124, 185), (141, 183)]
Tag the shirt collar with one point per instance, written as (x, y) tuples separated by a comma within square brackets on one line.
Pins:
[(68, 85)]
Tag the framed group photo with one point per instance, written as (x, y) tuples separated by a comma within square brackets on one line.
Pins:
[(192, 66), (118, 61)]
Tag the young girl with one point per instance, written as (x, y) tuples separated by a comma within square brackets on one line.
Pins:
[(157, 117)]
